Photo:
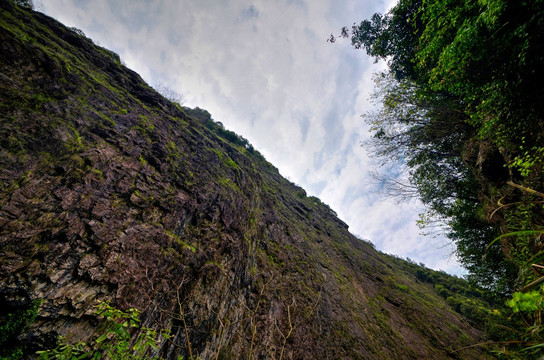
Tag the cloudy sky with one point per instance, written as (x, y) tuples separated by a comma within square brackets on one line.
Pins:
[(265, 70)]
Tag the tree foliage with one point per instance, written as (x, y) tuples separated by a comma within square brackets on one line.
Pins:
[(462, 111)]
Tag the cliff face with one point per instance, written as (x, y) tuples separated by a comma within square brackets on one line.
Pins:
[(110, 192)]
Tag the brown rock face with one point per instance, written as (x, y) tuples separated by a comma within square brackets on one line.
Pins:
[(110, 192)]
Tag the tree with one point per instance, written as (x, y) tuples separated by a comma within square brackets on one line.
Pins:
[(392, 37), (426, 136)]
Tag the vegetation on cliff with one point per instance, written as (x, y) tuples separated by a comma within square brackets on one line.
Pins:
[(462, 110), (110, 192)]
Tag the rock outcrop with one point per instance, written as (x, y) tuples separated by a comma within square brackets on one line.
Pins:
[(108, 191)]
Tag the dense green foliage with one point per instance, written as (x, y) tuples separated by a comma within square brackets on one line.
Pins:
[(13, 323), (115, 341), (463, 112)]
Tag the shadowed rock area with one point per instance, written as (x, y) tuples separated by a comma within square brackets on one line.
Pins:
[(108, 191)]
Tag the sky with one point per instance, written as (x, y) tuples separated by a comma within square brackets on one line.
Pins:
[(265, 70)]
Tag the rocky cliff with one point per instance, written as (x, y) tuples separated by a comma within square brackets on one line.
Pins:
[(108, 191)]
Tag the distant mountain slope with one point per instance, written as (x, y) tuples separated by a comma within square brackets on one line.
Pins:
[(110, 192)]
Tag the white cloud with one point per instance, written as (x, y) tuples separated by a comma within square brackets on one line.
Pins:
[(265, 70)]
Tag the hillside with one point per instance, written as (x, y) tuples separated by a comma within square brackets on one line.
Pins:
[(108, 191)]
